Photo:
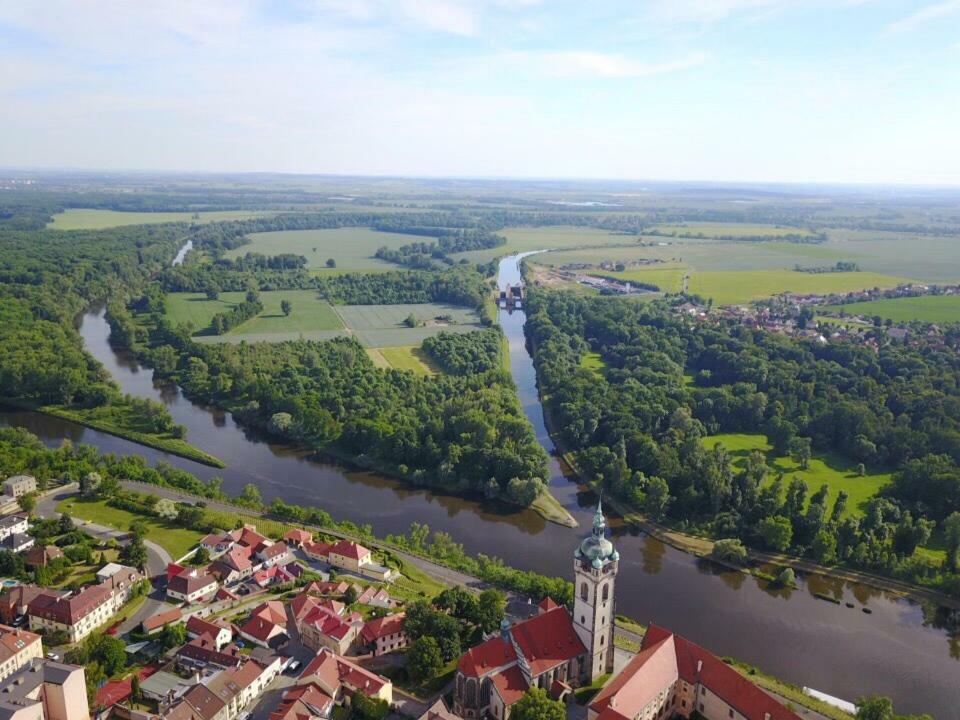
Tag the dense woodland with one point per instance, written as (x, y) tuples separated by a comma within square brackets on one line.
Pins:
[(637, 426)]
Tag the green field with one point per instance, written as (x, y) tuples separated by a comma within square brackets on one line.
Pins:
[(731, 287), (175, 540), (832, 470), (744, 230), (593, 361), (351, 247), (309, 317), (405, 357), (382, 326), (928, 308), (84, 219)]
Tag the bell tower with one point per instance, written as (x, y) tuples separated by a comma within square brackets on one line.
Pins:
[(594, 573)]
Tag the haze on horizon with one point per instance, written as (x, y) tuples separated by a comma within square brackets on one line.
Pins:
[(858, 91)]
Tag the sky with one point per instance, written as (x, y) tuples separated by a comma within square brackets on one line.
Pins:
[(862, 91)]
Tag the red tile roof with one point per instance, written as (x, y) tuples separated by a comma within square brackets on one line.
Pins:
[(547, 640), (198, 626), (487, 656), (547, 604), (349, 549), (192, 580), (160, 619), (694, 665), (70, 610), (354, 677), (327, 623), (510, 685), (298, 536), (303, 702), (382, 627)]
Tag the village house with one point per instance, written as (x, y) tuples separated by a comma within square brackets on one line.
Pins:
[(19, 485), (340, 678), (78, 614), (304, 702), (267, 626), (15, 524), (156, 623), (385, 634), (14, 601), (202, 652), (223, 695), (45, 690), (42, 555), (17, 648), (19, 542), (221, 632), (121, 578), (672, 676), (191, 585), (216, 544), (274, 554), (297, 537)]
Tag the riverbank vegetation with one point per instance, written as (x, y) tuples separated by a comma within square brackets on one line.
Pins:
[(642, 430)]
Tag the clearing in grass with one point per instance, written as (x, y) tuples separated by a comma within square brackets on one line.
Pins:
[(309, 314), (351, 248), (926, 308), (384, 326), (177, 541), (88, 219), (825, 469)]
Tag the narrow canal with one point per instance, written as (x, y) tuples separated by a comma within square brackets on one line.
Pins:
[(792, 634)]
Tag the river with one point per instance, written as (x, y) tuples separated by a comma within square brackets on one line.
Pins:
[(792, 634)]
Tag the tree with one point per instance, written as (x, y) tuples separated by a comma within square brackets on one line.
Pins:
[(173, 636), (350, 596), (166, 508), (424, 659), (881, 708), (139, 528), (134, 553), (786, 578), (800, 451), (777, 532), (951, 537), (730, 550), (281, 423), (28, 502), (90, 483), (331, 263), (657, 498), (251, 496), (411, 321), (825, 547), (200, 557), (66, 524), (136, 693), (213, 292), (368, 708), (286, 306), (490, 610), (536, 704)]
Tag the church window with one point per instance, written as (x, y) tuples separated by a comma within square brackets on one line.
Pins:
[(602, 638), (606, 591), (583, 591)]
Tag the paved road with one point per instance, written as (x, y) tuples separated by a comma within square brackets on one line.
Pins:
[(157, 557)]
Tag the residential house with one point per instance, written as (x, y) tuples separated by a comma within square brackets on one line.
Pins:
[(217, 544), (384, 634), (672, 676), (15, 524), (323, 628), (191, 586), (348, 555), (45, 690), (156, 623), (17, 648), (19, 542), (304, 702), (319, 551), (122, 578), (41, 555), (439, 711), (221, 632), (274, 554), (202, 652), (77, 614), (237, 687), (14, 601), (297, 537), (234, 565), (19, 485), (340, 678), (267, 626), (248, 536)]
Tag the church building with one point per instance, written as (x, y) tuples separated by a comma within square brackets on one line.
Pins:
[(551, 650)]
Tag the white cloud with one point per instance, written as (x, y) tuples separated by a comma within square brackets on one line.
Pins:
[(925, 15), (602, 65), (441, 15)]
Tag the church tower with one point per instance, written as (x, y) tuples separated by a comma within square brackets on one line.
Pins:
[(594, 574)]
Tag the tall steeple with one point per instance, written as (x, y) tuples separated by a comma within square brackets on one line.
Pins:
[(595, 569)]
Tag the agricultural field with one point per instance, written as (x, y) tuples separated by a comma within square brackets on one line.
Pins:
[(732, 287), (932, 259), (86, 219), (405, 357), (382, 326), (309, 316), (832, 470), (352, 248), (927, 308), (744, 230)]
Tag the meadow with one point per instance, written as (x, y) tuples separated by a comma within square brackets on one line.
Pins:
[(88, 219), (404, 357), (309, 314), (732, 287), (524, 239), (382, 326), (352, 248), (825, 468), (926, 308)]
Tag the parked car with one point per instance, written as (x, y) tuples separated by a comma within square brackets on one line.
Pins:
[(292, 667), (52, 656)]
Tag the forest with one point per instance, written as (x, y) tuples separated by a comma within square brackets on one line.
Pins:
[(638, 427)]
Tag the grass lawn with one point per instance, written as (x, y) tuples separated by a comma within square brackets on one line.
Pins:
[(928, 308), (407, 357), (522, 239), (352, 247), (382, 326), (832, 470), (175, 540), (732, 287), (592, 361), (309, 315), (744, 230), (86, 219)]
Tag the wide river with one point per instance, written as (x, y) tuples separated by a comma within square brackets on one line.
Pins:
[(792, 634)]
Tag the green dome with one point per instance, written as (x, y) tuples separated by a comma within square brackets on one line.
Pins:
[(595, 548)]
